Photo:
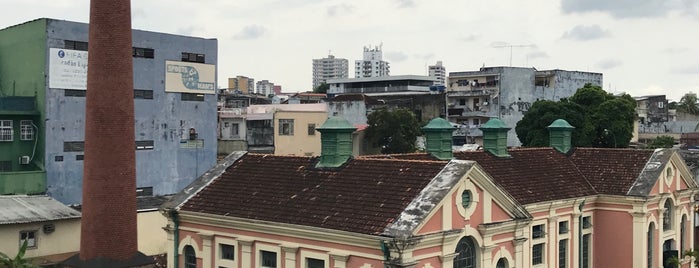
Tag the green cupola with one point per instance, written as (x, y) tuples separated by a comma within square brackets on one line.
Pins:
[(559, 135), (438, 138), (335, 142), (495, 137)]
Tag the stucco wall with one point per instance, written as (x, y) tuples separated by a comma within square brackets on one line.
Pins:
[(165, 119), (301, 143), (152, 239), (354, 112), (65, 238)]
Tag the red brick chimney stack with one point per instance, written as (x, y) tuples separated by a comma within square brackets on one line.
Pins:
[(108, 228)]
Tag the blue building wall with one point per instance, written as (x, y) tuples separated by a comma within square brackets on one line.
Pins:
[(173, 162)]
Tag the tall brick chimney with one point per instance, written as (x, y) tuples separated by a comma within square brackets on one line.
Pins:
[(108, 235)]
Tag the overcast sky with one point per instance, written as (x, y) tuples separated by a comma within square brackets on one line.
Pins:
[(642, 47)]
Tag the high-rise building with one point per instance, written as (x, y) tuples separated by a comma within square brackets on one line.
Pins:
[(372, 65), (329, 68), (265, 87), (438, 72), (244, 84)]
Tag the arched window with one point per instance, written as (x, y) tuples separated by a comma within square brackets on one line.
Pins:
[(683, 233), (466, 250), (502, 263), (650, 245), (667, 215), (190, 258)]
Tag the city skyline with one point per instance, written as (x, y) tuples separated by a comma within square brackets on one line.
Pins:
[(641, 47)]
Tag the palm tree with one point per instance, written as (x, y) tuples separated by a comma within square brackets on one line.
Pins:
[(688, 103)]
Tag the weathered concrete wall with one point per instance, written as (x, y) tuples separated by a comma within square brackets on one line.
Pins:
[(354, 112), (173, 162), (229, 146)]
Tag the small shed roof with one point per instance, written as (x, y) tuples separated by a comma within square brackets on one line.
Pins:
[(32, 208)]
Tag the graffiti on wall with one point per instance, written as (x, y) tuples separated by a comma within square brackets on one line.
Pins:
[(517, 107)]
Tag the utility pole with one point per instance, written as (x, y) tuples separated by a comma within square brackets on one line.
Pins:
[(501, 45)]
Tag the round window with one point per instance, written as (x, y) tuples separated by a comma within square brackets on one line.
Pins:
[(466, 198)]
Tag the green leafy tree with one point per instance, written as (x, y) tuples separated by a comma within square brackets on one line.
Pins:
[(688, 103), (322, 88), (694, 254), (600, 119), (394, 131), (662, 142), (18, 261)]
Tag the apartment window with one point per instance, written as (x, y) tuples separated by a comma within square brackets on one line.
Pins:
[(73, 146), (650, 245), (139, 52), (29, 236), (192, 57), (144, 145), (75, 45), (227, 252), (538, 254), (80, 157), (311, 129), (6, 130), (58, 158), (314, 263), (502, 263), (538, 231), (563, 227), (286, 127), (661, 104), (191, 97), (586, 251), (466, 250), (26, 130), (683, 233), (144, 191), (586, 222), (563, 253), (462, 101), (74, 93), (143, 94), (268, 259), (667, 215)]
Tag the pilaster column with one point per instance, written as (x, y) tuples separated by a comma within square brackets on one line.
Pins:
[(339, 261), (289, 256), (207, 254), (246, 254)]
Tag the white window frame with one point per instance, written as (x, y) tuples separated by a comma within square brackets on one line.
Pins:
[(6, 130), (290, 127), (265, 247), (219, 260), (31, 242), (26, 130), (306, 254)]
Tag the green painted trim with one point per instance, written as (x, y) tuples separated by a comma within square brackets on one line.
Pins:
[(335, 142)]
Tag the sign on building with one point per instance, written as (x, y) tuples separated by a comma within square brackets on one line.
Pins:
[(67, 69), (188, 77)]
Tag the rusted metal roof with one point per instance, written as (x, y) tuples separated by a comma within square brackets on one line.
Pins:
[(33, 208)]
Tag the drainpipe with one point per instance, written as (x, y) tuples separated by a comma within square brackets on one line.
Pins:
[(580, 236), (386, 253), (176, 221)]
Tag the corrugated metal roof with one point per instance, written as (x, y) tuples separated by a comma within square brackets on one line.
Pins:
[(25, 209)]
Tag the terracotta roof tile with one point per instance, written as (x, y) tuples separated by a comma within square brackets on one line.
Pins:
[(363, 196), (611, 171)]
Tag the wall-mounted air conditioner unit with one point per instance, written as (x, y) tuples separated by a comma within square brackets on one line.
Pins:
[(485, 103), (24, 160)]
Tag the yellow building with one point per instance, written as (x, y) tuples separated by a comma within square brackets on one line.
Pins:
[(244, 84), (295, 128)]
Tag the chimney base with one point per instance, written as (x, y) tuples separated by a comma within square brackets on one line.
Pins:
[(137, 260)]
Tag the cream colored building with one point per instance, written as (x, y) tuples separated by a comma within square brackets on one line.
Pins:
[(295, 129), (52, 230)]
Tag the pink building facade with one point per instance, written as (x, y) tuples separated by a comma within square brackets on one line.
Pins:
[(534, 207)]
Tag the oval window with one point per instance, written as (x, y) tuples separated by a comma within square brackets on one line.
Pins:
[(466, 198)]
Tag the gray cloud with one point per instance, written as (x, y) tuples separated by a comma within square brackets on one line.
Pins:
[(586, 33), (396, 56), (406, 3), (537, 55), (341, 9), (692, 69), (630, 8), (608, 64), (250, 32)]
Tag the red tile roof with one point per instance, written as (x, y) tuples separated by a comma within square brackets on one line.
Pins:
[(611, 171), (364, 196)]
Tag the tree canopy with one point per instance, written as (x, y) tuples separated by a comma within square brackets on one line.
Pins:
[(322, 88), (394, 131), (600, 119), (688, 103)]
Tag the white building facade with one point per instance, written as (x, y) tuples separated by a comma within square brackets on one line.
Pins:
[(439, 72), (329, 68), (265, 87), (372, 65)]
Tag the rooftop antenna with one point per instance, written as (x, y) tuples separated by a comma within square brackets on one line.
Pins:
[(503, 44)]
